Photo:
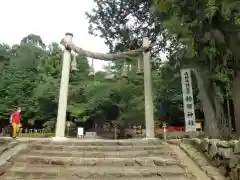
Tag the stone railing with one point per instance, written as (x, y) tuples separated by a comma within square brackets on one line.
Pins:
[(5, 145), (224, 154)]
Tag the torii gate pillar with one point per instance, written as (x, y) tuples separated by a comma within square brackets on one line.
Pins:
[(63, 95), (149, 117)]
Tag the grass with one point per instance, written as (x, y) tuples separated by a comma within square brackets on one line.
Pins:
[(37, 134)]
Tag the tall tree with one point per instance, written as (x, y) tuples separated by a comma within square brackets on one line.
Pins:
[(197, 34)]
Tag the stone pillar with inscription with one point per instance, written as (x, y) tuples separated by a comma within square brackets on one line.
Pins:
[(188, 101)]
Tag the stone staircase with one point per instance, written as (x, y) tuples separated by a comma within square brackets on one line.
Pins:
[(105, 160)]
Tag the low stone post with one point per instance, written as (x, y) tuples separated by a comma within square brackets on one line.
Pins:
[(165, 131)]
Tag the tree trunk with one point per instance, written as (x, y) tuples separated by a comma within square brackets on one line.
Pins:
[(236, 101), (229, 116), (219, 110), (207, 94)]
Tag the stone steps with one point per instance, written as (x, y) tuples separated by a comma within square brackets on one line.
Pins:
[(76, 177), (136, 142), (98, 172), (105, 160), (97, 148), (71, 161), (102, 154)]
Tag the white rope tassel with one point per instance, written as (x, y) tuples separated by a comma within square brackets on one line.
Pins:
[(125, 69), (140, 65), (109, 74), (91, 70), (73, 63)]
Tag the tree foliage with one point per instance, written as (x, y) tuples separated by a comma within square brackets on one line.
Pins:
[(202, 35), (30, 78)]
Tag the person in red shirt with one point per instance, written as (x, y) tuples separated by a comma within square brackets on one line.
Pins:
[(15, 122)]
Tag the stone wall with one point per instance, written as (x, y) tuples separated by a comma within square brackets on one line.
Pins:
[(224, 154)]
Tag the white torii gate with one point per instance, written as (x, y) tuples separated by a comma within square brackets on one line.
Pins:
[(63, 96)]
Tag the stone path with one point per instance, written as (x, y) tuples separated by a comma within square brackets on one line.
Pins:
[(105, 160)]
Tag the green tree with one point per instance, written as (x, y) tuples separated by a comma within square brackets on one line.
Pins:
[(202, 35)]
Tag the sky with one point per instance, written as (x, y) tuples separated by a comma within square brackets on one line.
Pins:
[(50, 19)]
